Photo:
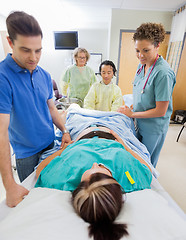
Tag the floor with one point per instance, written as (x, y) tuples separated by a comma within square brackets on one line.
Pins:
[(171, 166)]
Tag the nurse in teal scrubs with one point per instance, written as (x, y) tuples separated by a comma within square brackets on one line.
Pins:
[(152, 90)]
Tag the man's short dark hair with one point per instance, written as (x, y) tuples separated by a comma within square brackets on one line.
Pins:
[(108, 63), (22, 23)]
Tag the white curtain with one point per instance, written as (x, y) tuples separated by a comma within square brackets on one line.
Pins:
[(178, 30), (178, 26)]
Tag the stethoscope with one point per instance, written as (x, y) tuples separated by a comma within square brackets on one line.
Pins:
[(139, 71)]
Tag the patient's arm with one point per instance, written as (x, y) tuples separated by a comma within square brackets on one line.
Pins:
[(118, 139), (47, 160)]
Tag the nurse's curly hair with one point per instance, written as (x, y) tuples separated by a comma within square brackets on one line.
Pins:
[(98, 202), (153, 32)]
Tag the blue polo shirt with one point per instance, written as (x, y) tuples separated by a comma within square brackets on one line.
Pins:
[(24, 96)]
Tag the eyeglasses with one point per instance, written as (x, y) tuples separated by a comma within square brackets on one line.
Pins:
[(82, 58)]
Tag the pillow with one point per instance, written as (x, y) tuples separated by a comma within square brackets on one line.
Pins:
[(48, 214)]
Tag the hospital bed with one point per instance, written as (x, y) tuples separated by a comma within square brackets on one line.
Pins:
[(47, 214)]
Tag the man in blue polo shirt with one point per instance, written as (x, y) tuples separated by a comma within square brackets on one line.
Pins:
[(27, 110)]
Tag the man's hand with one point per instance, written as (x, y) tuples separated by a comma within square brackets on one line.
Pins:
[(15, 195), (66, 139)]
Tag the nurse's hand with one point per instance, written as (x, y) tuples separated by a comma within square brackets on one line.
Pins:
[(126, 110)]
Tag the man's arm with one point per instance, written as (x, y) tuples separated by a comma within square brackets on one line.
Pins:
[(14, 192), (58, 121)]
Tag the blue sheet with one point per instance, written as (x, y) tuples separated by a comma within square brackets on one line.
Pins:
[(79, 119)]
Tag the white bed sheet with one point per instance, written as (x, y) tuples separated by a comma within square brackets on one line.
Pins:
[(47, 214)]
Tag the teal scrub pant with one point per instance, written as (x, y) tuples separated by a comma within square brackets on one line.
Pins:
[(153, 143)]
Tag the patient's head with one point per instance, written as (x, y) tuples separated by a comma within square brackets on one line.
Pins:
[(98, 201), (96, 168)]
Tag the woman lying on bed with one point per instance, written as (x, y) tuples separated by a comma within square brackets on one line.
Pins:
[(98, 167)]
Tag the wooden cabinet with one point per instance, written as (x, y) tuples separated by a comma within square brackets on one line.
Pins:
[(179, 94), (6, 48)]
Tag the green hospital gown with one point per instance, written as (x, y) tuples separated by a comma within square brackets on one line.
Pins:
[(78, 82), (64, 172)]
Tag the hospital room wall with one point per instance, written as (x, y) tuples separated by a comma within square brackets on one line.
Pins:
[(104, 40), (95, 40), (130, 20), (57, 61)]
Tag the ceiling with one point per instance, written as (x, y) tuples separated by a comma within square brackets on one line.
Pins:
[(82, 13), (160, 5)]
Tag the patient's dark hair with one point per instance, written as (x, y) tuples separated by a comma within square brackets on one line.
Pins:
[(108, 63), (19, 22), (99, 201)]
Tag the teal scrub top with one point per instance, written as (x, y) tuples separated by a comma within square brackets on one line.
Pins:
[(159, 88), (65, 171)]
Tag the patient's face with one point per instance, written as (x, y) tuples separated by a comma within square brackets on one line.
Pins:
[(96, 168), (107, 73)]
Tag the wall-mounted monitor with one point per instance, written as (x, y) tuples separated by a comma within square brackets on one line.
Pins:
[(66, 40)]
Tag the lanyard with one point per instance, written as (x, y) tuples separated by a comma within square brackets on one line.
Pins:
[(143, 90)]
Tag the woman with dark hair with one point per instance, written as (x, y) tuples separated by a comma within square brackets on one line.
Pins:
[(98, 202), (97, 168), (152, 89), (104, 95)]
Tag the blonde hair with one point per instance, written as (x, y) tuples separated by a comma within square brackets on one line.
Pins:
[(99, 202), (81, 50)]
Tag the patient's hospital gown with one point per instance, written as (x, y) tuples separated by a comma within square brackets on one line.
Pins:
[(64, 172), (78, 119)]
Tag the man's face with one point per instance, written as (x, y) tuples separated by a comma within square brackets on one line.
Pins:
[(26, 51)]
